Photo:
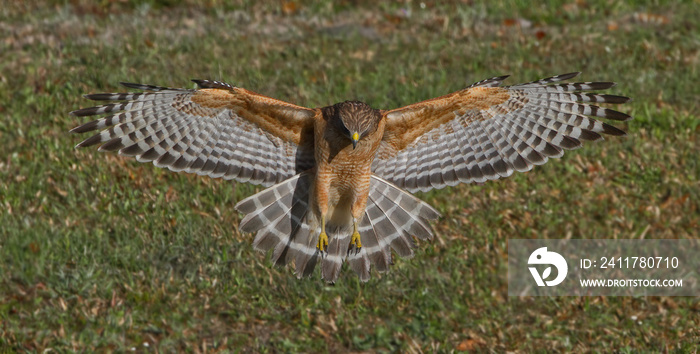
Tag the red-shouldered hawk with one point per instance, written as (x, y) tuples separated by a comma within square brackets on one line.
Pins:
[(339, 177)]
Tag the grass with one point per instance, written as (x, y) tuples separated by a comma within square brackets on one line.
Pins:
[(98, 252)]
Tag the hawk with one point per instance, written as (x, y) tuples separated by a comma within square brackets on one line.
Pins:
[(339, 177)]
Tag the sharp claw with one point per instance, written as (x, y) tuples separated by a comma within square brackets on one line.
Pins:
[(355, 241), (322, 237), (322, 242)]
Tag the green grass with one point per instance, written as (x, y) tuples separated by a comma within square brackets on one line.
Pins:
[(98, 252)]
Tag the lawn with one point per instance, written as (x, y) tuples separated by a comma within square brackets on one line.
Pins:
[(100, 252)]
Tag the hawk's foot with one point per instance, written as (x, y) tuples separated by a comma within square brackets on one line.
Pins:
[(355, 240), (322, 241), (322, 237)]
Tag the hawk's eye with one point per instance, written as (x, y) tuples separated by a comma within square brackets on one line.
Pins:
[(342, 128)]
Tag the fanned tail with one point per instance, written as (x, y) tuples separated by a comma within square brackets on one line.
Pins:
[(281, 219), (337, 251), (392, 217), (284, 224)]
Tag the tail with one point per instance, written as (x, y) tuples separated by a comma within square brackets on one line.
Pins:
[(392, 217), (284, 224)]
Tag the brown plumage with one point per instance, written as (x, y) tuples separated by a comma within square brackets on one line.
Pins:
[(343, 168), (339, 176)]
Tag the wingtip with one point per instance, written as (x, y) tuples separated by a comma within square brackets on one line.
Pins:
[(129, 84), (213, 84), (570, 75), (618, 116), (612, 130), (625, 99), (501, 79)]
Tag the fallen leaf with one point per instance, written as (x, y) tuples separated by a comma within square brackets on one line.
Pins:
[(468, 345), (290, 7)]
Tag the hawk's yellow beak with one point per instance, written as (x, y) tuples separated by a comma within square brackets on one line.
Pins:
[(355, 139)]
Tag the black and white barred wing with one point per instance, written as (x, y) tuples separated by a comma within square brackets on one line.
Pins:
[(486, 132), (217, 130)]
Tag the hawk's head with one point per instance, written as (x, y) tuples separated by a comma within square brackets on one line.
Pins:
[(353, 119)]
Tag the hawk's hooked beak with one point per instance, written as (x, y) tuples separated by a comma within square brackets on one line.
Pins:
[(355, 139)]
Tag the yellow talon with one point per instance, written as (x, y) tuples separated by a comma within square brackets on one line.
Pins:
[(322, 237), (355, 241), (322, 241)]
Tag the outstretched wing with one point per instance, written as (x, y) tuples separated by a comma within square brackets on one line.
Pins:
[(486, 132), (217, 130)]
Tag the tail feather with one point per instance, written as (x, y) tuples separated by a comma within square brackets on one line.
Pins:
[(338, 244), (360, 264), (284, 224), (392, 217), (399, 240), (411, 211), (280, 228), (373, 251), (257, 202), (266, 215), (300, 246), (377, 249), (306, 262)]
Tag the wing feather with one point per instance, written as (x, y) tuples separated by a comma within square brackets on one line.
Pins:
[(486, 131), (218, 130)]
